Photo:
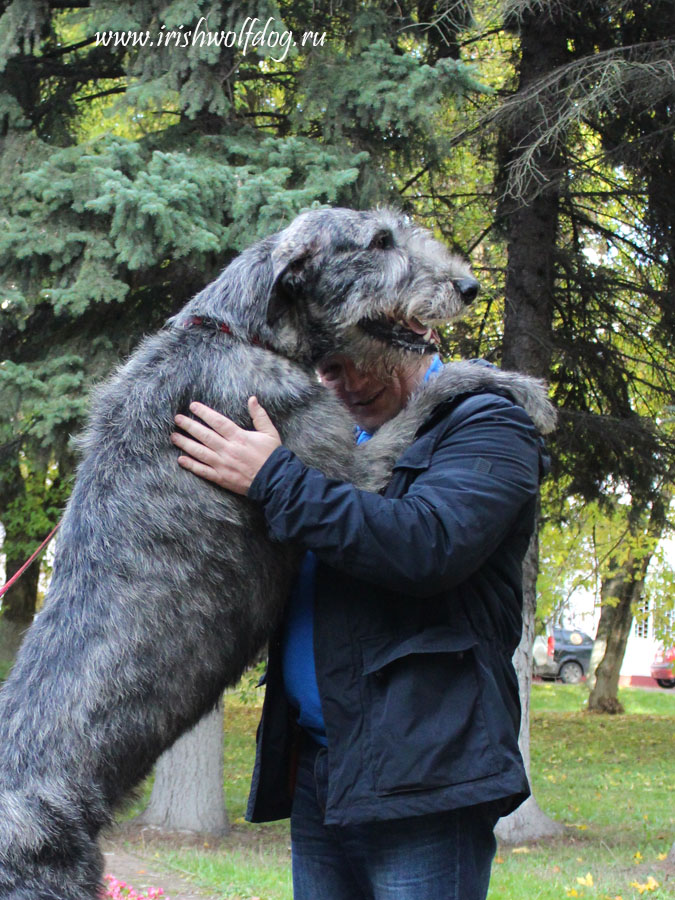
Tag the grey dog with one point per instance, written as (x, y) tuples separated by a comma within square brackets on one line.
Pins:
[(164, 586)]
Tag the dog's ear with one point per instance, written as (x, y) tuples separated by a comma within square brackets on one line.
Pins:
[(289, 272)]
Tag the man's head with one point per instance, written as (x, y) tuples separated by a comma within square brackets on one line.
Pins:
[(372, 395)]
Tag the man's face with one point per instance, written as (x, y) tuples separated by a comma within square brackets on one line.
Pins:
[(372, 398)]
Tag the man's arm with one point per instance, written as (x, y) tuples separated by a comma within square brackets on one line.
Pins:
[(455, 514)]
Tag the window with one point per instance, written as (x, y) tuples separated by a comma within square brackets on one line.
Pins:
[(642, 620)]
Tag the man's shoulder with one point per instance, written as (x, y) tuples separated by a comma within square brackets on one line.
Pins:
[(469, 407), (462, 412), (490, 422), (467, 388)]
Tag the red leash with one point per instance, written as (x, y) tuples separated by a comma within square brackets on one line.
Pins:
[(17, 575)]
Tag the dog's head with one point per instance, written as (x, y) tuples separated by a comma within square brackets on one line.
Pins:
[(365, 282), (369, 281)]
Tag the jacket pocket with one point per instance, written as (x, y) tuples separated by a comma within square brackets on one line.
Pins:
[(424, 710)]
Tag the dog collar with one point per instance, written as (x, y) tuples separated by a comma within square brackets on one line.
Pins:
[(218, 325)]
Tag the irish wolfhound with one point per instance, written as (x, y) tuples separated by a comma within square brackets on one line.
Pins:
[(164, 586)]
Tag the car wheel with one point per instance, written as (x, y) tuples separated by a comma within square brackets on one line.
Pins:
[(570, 672), (666, 682)]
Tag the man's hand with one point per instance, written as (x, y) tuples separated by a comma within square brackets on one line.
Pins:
[(223, 452)]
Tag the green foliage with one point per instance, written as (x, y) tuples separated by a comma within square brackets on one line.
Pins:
[(280, 177), (103, 209), (42, 399), (172, 205), (661, 593), (21, 24), (386, 95), (32, 515), (5, 667), (249, 690)]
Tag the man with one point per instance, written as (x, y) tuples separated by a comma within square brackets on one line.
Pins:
[(390, 724)]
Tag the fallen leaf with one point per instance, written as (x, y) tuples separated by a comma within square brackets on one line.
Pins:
[(520, 850), (650, 885), (587, 880)]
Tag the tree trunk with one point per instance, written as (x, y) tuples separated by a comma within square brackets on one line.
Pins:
[(621, 593), (20, 601), (531, 223), (18, 609), (188, 791), (18, 604), (626, 583), (528, 822), (11, 636), (605, 625), (531, 227)]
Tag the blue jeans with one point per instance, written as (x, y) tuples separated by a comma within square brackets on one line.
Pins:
[(444, 856)]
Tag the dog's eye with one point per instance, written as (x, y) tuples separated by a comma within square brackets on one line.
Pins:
[(383, 240), (297, 265)]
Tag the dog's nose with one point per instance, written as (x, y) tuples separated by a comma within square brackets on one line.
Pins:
[(468, 289)]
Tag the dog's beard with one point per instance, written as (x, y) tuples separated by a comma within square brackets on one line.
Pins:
[(390, 367), (384, 361)]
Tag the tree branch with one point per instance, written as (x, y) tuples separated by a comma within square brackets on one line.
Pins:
[(115, 90), (61, 51)]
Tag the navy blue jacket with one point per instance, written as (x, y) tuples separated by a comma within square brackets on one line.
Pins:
[(418, 613)]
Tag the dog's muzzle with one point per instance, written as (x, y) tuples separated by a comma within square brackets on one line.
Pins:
[(410, 334)]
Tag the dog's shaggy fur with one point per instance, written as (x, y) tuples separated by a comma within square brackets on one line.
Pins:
[(165, 586)]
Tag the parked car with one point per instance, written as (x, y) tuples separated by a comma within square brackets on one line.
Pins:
[(563, 654), (663, 668)]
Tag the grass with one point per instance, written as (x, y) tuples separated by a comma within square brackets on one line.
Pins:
[(550, 696), (238, 873), (608, 779)]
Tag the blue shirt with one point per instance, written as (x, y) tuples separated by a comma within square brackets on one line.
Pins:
[(299, 670)]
